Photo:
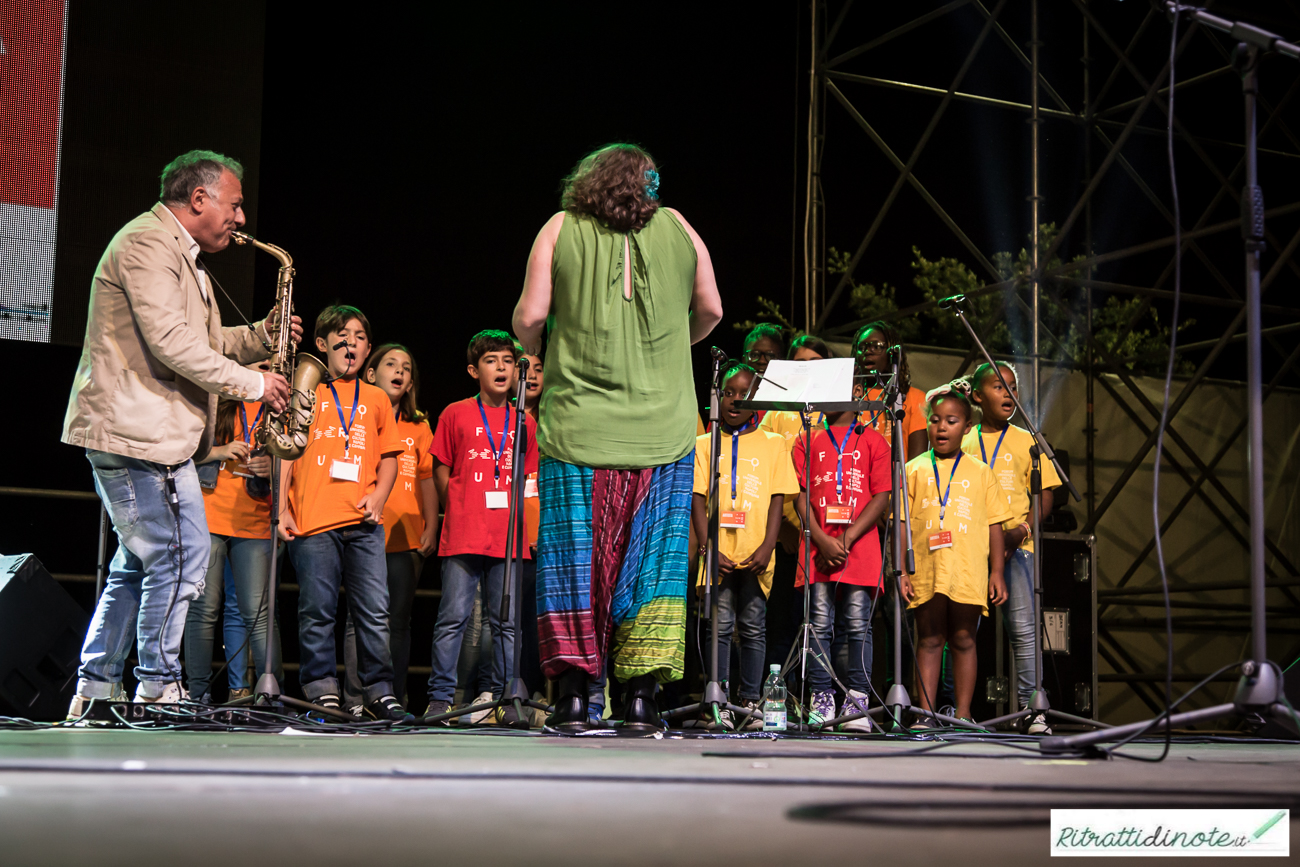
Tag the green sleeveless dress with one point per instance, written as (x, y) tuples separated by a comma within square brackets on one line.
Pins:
[(619, 392)]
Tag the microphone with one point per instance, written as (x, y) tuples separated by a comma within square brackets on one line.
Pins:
[(338, 346), (522, 363), (718, 354), (951, 301), (895, 353)]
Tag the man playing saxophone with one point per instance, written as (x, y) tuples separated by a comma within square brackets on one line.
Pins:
[(143, 404)]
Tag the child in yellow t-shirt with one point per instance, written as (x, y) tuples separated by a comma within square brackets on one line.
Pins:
[(954, 498), (1005, 448), (755, 477)]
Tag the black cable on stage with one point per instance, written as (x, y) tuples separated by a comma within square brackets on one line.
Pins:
[(1164, 408)]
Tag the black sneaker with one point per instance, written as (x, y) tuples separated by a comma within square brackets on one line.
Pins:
[(387, 708), (329, 701), (437, 708), (507, 716)]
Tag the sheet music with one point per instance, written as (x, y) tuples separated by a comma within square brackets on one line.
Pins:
[(824, 380)]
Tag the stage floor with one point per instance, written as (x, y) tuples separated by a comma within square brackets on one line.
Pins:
[(96, 796)]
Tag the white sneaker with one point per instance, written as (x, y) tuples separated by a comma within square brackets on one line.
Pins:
[(81, 703), (1038, 725), (481, 717), (753, 722), (861, 724), (174, 693)]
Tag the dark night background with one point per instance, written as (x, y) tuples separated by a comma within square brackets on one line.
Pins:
[(406, 157)]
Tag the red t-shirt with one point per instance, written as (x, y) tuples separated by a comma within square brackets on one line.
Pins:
[(463, 445), (865, 474)]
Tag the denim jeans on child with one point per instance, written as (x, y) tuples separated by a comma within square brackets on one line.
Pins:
[(841, 608), (354, 557), (1019, 617), (404, 569), (248, 563), (159, 567), (742, 608), (461, 575)]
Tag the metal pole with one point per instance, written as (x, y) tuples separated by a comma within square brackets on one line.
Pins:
[(1034, 121), (1090, 434), (812, 210), (1253, 210)]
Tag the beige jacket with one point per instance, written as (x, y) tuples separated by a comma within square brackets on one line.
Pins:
[(155, 356)]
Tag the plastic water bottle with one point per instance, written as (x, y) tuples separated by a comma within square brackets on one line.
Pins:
[(774, 701)]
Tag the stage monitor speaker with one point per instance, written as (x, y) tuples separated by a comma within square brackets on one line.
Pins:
[(41, 631)]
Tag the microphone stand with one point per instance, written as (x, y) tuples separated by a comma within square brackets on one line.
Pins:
[(1038, 701), (1260, 691), (713, 701), (516, 691), (902, 557)]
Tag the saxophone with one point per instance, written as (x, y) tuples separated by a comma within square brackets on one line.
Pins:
[(284, 434)]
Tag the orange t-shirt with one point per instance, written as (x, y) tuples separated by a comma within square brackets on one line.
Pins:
[(914, 416), (317, 501), (403, 519), (230, 509)]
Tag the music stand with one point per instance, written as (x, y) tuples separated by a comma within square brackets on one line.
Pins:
[(805, 410)]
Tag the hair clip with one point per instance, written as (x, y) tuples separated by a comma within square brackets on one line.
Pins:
[(652, 184)]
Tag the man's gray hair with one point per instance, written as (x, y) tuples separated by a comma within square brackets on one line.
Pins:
[(182, 175)]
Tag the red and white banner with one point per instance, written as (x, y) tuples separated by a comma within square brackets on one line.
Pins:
[(32, 41)]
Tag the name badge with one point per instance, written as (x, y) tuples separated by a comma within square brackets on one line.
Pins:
[(941, 539), (497, 499), (345, 471), (732, 520), (839, 515), (530, 487)]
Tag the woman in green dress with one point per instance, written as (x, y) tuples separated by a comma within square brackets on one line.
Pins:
[(623, 286)]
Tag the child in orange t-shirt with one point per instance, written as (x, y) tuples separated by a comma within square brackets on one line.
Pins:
[(239, 526), (410, 515), (871, 349), (336, 492)]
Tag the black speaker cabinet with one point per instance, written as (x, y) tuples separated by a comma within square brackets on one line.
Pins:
[(1068, 626), (41, 631)]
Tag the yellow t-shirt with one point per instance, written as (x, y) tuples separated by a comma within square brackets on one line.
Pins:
[(975, 501), (789, 425), (763, 469), (1011, 467)]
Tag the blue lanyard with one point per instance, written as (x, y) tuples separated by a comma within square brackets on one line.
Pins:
[(943, 502), (839, 459), (243, 418), (496, 454), (980, 432), (347, 425), (735, 452)]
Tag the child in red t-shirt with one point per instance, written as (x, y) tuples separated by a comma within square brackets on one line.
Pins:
[(850, 491), (472, 465), (335, 494)]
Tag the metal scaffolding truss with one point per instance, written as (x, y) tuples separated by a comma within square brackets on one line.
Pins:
[(1108, 125)]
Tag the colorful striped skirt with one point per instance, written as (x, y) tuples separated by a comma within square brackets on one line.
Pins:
[(611, 568)]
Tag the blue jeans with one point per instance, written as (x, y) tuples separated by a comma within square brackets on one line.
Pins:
[(844, 612), (462, 574), (741, 599), (404, 569), (159, 567), (1020, 619), (354, 557), (248, 564)]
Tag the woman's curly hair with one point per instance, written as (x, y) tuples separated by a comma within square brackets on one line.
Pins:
[(613, 185)]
